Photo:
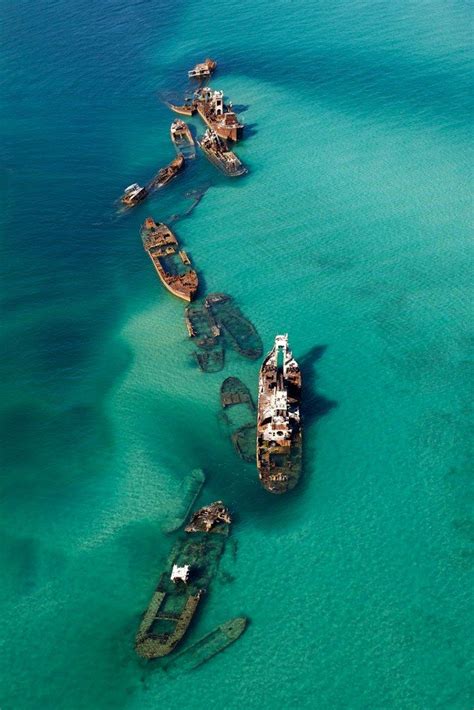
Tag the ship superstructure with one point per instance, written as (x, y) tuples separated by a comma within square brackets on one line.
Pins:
[(278, 419), (216, 114)]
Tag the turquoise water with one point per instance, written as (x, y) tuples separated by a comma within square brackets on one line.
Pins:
[(351, 232)]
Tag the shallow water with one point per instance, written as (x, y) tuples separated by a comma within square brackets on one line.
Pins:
[(350, 233)]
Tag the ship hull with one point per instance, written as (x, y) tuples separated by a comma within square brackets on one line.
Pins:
[(187, 296), (171, 263), (279, 432), (221, 164), (286, 477), (183, 110)]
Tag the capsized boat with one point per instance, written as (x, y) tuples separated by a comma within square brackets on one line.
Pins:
[(182, 138), (239, 415), (279, 435), (207, 647), (216, 151), (202, 70), (171, 263), (133, 194), (166, 174), (217, 115), (238, 329), (181, 587)]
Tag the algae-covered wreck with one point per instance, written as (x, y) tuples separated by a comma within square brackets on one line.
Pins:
[(181, 587)]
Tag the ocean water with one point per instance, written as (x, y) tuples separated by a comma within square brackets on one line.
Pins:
[(351, 233)]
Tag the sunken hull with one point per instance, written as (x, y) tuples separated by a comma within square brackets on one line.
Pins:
[(239, 330), (279, 435), (226, 125), (184, 109), (172, 264), (208, 646), (239, 415), (176, 599)]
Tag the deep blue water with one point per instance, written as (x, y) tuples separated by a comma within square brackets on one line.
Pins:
[(351, 233)]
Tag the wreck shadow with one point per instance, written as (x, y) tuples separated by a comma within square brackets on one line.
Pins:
[(240, 108), (250, 130), (313, 404)]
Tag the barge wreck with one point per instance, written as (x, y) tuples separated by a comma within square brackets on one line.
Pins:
[(279, 435)]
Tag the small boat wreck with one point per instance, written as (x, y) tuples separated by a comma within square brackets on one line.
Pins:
[(203, 70), (182, 139), (217, 115), (239, 331), (216, 151), (166, 174), (208, 646), (171, 263), (181, 587), (239, 416), (279, 435), (133, 194)]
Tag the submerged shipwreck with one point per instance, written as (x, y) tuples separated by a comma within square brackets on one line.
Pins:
[(217, 152), (181, 587), (239, 415), (216, 322), (171, 263), (207, 333), (208, 646), (279, 436), (239, 331)]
